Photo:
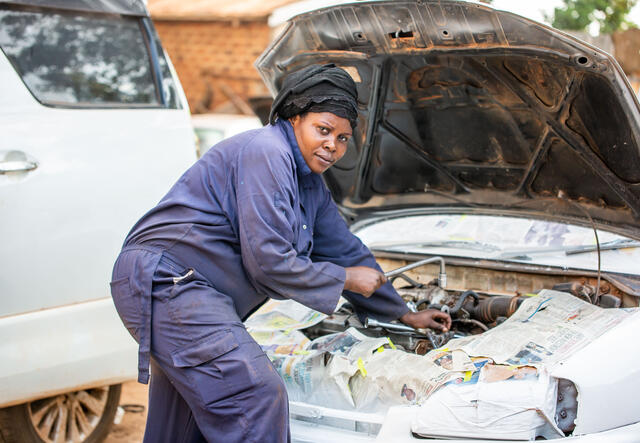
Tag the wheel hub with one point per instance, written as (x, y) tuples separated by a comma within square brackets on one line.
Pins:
[(70, 417)]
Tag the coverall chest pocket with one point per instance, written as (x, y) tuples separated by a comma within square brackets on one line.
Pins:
[(304, 241), (129, 305), (222, 366)]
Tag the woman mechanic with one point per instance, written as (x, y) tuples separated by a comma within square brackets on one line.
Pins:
[(251, 219)]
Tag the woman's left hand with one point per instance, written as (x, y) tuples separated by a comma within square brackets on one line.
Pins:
[(429, 318)]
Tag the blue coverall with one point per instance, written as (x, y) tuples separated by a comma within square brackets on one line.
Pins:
[(247, 221)]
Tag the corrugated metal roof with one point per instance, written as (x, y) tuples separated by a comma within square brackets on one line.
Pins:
[(213, 9)]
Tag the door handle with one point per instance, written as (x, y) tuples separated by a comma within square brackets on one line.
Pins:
[(17, 166)]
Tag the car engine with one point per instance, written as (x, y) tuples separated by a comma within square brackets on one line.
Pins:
[(472, 311), (475, 311)]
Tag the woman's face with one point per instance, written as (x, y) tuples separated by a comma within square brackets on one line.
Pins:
[(322, 137)]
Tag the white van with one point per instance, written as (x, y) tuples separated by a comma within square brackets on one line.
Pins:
[(93, 126)]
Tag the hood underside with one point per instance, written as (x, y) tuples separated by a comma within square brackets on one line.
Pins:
[(465, 108)]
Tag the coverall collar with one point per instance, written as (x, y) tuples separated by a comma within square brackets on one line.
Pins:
[(302, 168)]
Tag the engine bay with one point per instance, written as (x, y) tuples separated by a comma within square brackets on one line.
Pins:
[(524, 347), (477, 299), (495, 297)]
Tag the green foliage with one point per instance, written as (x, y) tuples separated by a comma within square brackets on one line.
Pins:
[(611, 15)]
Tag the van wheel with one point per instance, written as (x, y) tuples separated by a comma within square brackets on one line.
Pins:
[(83, 416)]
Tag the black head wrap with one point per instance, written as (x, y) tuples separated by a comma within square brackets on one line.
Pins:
[(316, 88)]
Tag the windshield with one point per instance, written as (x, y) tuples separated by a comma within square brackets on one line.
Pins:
[(505, 239)]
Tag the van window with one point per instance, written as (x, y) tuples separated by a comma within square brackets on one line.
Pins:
[(168, 85), (81, 59)]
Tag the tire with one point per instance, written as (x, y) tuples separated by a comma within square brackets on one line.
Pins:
[(83, 416)]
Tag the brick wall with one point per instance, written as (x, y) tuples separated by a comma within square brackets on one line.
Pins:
[(627, 49), (214, 61)]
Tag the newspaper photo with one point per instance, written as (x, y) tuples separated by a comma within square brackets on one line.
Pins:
[(283, 315)]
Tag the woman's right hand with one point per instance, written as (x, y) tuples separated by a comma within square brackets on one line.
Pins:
[(363, 280)]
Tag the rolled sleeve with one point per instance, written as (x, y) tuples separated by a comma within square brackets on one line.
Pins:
[(265, 191)]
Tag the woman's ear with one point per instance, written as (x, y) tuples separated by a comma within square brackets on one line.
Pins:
[(295, 119)]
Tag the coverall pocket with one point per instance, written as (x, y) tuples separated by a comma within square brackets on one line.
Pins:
[(205, 350), (182, 278), (128, 305), (219, 367)]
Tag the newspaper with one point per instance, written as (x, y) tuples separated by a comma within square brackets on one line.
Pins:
[(350, 370), (397, 377), (503, 403), (291, 342), (545, 329), (494, 237), (502, 233), (346, 369), (318, 371), (512, 390), (283, 315)]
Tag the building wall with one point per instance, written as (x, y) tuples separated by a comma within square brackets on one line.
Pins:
[(214, 61), (627, 44)]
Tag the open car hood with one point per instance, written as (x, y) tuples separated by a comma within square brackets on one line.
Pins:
[(464, 108)]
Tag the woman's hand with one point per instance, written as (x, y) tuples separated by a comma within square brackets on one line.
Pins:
[(429, 318), (363, 280)]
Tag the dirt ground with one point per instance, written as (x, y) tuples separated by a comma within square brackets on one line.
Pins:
[(131, 428)]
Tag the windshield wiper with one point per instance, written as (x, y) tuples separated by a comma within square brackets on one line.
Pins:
[(523, 254), (456, 244), (607, 246)]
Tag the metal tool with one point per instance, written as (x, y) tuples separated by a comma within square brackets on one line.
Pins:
[(442, 282), (373, 323), (442, 276)]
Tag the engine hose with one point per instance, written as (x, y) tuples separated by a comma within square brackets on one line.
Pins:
[(462, 299), (489, 309)]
